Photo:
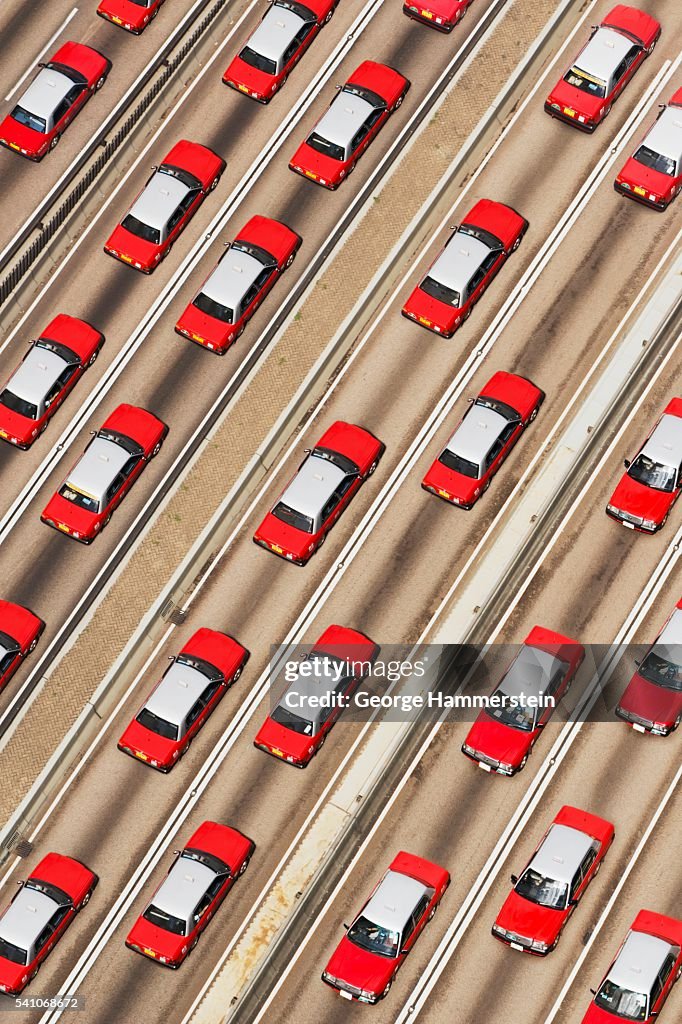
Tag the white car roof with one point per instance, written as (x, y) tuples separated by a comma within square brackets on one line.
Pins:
[(275, 32), (530, 672), (394, 901), (45, 93), (665, 443), (98, 465), (185, 884), (669, 644), (604, 52), (25, 918), (561, 853), (177, 693), (345, 117), (459, 261), (639, 961), (665, 136), (232, 278), (477, 433), (313, 486), (160, 198), (36, 374)]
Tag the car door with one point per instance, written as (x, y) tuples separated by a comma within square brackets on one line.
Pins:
[(251, 300), (330, 512), (585, 875), (113, 493), (490, 266), (475, 287), (375, 121), (8, 665), (76, 97), (493, 460), (625, 70), (60, 116), (509, 437), (130, 470), (360, 141), (556, 688)]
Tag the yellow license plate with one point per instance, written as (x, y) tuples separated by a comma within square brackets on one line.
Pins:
[(423, 320), (128, 259), (640, 191), (427, 14), (3, 433), (61, 526), (310, 174), (197, 337), (142, 757), (13, 145), (277, 752), (243, 88), (117, 20), (276, 548), (569, 111), (148, 952), (444, 494)]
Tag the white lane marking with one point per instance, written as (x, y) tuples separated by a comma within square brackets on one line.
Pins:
[(47, 45), (629, 868)]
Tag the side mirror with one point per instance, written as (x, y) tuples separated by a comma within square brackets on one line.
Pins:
[(307, 450), (93, 432), (593, 991), (346, 926), (155, 167), (171, 657), (403, 952), (627, 463), (470, 401), (48, 403), (638, 662), (337, 87), (42, 64), (514, 879)]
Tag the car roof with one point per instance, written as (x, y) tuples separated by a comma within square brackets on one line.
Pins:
[(26, 917), (185, 884), (159, 199), (665, 443), (97, 467), (530, 672), (459, 261), (669, 643), (232, 277), (561, 853), (665, 136), (603, 53), (275, 32), (394, 901), (177, 693), (639, 961), (45, 93), (343, 119), (313, 486), (477, 433), (36, 374)]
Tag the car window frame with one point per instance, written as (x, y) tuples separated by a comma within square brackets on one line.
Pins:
[(113, 489)]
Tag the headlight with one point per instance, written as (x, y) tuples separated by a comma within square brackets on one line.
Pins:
[(500, 931), (504, 767), (649, 524), (365, 994), (659, 727), (540, 947), (330, 978), (467, 749), (612, 508)]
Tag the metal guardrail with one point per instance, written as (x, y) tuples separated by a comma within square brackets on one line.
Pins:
[(48, 229)]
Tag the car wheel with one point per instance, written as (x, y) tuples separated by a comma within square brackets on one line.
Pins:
[(516, 244), (328, 17), (664, 520), (33, 645), (100, 82), (321, 744), (236, 676), (534, 414), (291, 259), (432, 913), (399, 101), (106, 521), (387, 989), (524, 761), (372, 467), (676, 725), (651, 49), (156, 449), (214, 183), (351, 168), (55, 140), (244, 866), (86, 899), (93, 357)]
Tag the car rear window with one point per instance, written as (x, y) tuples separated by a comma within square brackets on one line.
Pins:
[(258, 61), (321, 145), (292, 518), (161, 919), (289, 720), (76, 497), (487, 237), (157, 725), (18, 405), (497, 406), (579, 80), (28, 119), (212, 308), (345, 464), (15, 954), (440, 291), (458, 465), (653, 474), (144, 231), (656, 161)]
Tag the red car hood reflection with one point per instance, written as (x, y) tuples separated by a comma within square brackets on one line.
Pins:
[(655, 703), (639, 500), (358, 967), (289, 742), (568, 96), (530, 920), (499, 741)]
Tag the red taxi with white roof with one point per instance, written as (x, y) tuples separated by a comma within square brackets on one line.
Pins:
[(554, 881), (235, 288), (196, 884), (473, 255), (49, 370), (20, 631), (105, 472), (602, 69), (131, 15), (653, 174), (503, 735), (378, 941), (484, 438), (296, 728), (442, 15), (187, 695), (271, 53), (652, 700), (327, 479)]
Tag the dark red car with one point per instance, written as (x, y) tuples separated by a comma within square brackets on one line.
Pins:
[(132, 15), (473, 255), (484, 438), (297, 727), (105, 472), (327, 479), (200, 877), (502, 737), (641, 977), (39, 914), (652, 701), (376, 944), (272, 52), (653, 174), (544, 896), (165, 206), (353, 119), (45, 376), (442, 15), (186, 696), (235, 288), (60, 89), (20, 631), (651, 486), (602, 69)]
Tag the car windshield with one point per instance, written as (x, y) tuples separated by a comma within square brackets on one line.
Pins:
[(79, 498), (258, 61), (28, 119), (622, 1001), (143, 231), (440, 291), (161, 919), (8, 951), (292, 518), (662, 672), (497, 406), (289, 720), (321, 145), (487, 237), (458, 465), (652, 474), (160, 726), (586, 83), (212, 308), (16, 404), (656, 161), (546, 892), (517, 717), (142, 3), (346, 465), (372, 937), (214, 863)]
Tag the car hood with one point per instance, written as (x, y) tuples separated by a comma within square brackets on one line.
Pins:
[(456, 484), (528, 919), (655, 703), (499, 741), (636, 173), (423, 305), (310, 160), (595, 1015), (150, 936), (128, 12), (24, 137), (207, 327), (11, 975), (568, 96), (357, 967), (289, 742), (291, 540), (128, 244), (631, 496), (156, 747), (16, 425), (254, 79)]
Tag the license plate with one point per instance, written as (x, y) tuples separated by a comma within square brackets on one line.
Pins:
[(345, 995), (62, 527), (13, 145), (427, 14), (638, 728), (515, 945), (630, 526), (243, 88), (148, 952), (117, 20), (3, 433), (423, 320), (197, 337), (128, 259), (569, 111), (484, 766), (277, 752), (640, 191), (142, 757), (310, 174), (444, 494), (277, 549)]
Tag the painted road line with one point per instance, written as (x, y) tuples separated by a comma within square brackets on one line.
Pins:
[(46, 47)]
